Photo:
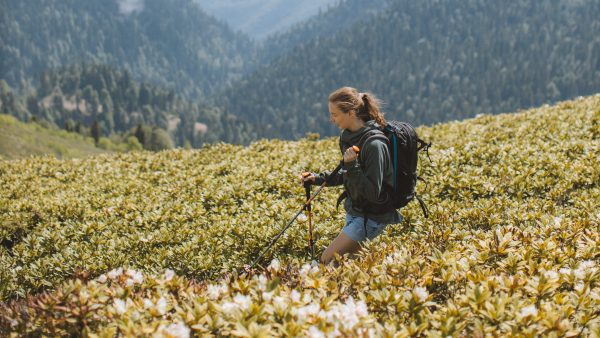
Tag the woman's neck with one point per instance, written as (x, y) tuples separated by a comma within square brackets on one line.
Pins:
[(356, 125)]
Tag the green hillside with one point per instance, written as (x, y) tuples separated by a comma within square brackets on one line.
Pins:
[(153, 243), (19, 140), (327, 23), (169, 43), (430, 61), (260, 18)]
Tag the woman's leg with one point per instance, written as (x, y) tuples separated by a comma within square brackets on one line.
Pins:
[(341, 245)]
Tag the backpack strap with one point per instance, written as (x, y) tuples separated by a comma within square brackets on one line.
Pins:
[(423, 206), (341, 198), (369, 136), (423, 145)]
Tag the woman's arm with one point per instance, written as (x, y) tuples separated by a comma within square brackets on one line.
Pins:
[(367, 183)]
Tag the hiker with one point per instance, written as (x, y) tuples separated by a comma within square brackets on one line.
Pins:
[(366, 180)]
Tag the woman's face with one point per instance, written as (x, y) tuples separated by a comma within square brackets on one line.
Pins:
[(339, 118)]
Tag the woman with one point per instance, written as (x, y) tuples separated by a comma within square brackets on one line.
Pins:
[(367, 179)]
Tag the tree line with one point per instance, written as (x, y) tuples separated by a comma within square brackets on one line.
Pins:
[(85, 66), (431, 61), (98, 100)]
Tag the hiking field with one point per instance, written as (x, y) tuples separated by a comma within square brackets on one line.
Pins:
[(153, 244)]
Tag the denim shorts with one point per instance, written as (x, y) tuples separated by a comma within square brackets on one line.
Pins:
[(355, 228)]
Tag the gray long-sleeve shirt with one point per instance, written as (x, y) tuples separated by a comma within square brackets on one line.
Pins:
[(367, 182)]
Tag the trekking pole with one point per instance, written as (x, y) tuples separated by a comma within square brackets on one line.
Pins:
[(311, 243), (333, 173)]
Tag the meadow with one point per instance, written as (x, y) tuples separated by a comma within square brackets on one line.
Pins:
[(153, 244)]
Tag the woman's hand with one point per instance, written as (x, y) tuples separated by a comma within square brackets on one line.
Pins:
[(351, 154), (306, 177)]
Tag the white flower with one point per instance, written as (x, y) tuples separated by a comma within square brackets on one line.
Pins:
[(565, 271), (295, 295), (398, 257), (120, 306), (348, 311), (305, 270), (463, 263), (136, 276), (161, 306), (580, 287), (243, 301), (169, 274), (551, 275), (115, 273), (229, 307), (267, 296), (579, 274), (301, 218), (274, 266), (101, 279), (262, 282), (347, 315), (280, 302), (420, 294), (148, 303), (214, 291), (306, 311), (530, 310), (585, 265), (314, 332), (361, 309), (557, 221), (179, 330)]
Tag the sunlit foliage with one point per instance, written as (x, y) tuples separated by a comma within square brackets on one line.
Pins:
[(153, 243)]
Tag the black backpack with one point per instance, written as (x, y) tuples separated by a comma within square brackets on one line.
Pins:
[(404, 145)]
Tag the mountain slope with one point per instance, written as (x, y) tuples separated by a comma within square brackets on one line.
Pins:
[(171, 43), (260, 18), (83, 98), (431, 61), (345, 14), (514, 228), (20, 140)]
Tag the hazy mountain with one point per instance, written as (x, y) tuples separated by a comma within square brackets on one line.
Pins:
[(260, 18), (344, 15)]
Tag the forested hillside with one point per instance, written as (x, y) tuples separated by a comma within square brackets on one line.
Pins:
[(431, 61), (101, 101), (261, 18), (341, 17), (169, 43)]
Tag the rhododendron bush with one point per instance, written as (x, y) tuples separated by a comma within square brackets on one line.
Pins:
[(154, 243)]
